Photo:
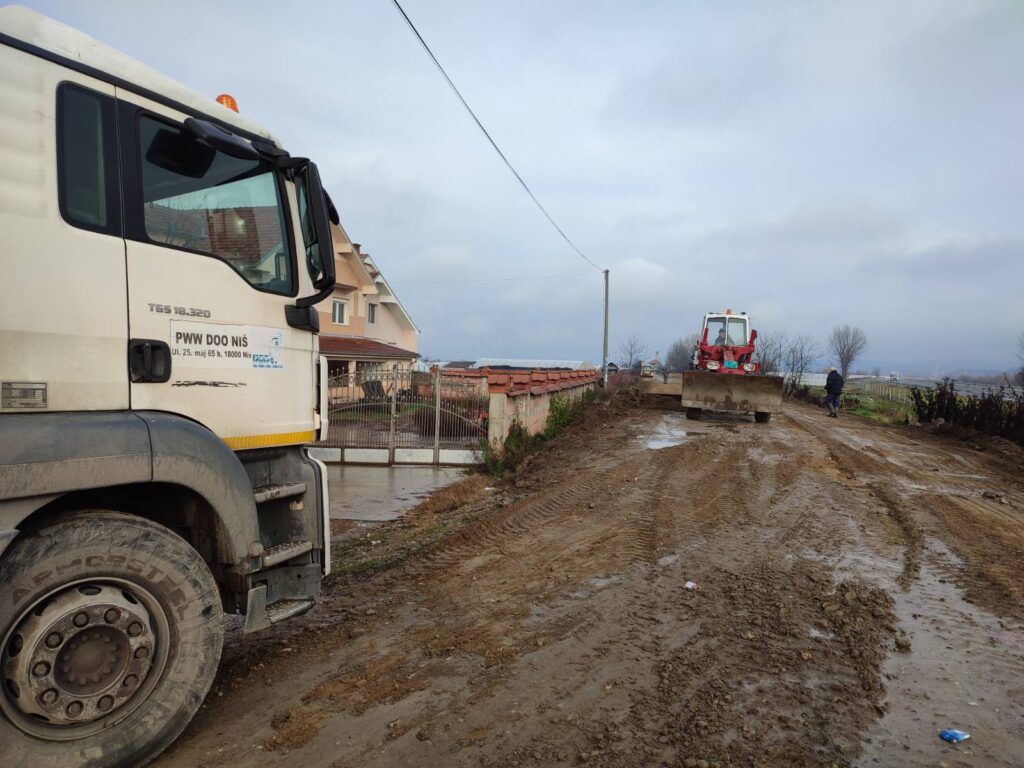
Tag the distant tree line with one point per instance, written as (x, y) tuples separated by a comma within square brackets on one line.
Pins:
[(779, 353)]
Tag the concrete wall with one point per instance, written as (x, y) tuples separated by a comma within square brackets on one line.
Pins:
[(389, 328), (525, 396), (355, 325)]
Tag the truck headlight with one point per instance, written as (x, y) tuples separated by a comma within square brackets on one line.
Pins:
[(714, 365), (749, 367)]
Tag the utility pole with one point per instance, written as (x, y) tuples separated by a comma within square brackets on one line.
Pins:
[(605, 366)]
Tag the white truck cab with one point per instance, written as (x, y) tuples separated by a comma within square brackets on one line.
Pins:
[(159, 379)]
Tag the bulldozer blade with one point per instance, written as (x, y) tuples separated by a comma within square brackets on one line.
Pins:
[(727, 392)]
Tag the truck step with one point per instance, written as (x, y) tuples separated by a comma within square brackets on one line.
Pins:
[(280, 491), (259, 615), (286, 609), (279, 553)]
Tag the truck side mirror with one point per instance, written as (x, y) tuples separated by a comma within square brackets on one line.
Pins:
[(320, 249), (223, 141), (321, 258)]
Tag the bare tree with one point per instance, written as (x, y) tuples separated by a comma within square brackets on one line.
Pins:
[(680, 352), (846, 344), (1020, 356), (770, 351), (632, 351), (799, 357)]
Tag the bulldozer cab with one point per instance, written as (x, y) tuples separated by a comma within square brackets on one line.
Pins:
[(727, 330)]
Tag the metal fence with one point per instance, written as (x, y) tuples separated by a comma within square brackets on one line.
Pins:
[(415, 416), (880, 388)]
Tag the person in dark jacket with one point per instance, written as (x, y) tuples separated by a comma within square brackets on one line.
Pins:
[(833, 389)]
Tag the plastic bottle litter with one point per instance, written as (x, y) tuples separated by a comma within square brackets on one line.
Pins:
[(953, 736)]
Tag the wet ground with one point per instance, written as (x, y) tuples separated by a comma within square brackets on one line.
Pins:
[(382, 493), (650, 591)]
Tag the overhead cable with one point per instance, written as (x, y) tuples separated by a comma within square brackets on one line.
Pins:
[(494, 144)]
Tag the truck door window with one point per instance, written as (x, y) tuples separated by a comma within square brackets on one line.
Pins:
[(88, 184), (198, 199)]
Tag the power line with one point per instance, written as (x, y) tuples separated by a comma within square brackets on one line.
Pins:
[(488, 135)]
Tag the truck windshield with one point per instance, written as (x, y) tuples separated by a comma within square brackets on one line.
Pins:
[(202, 200)]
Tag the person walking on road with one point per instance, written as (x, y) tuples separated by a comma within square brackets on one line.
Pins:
[(833, 389)]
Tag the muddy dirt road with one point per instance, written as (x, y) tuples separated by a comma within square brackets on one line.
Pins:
[(857, 589)]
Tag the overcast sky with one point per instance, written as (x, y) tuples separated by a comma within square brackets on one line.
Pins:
[(810, 163)]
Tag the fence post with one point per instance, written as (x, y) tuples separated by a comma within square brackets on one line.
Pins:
[(394, 413), (437, 415)]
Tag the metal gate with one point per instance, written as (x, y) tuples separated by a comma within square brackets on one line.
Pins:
[(380, 416)]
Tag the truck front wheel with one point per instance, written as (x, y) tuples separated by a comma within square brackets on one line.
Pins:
[(111, 629)]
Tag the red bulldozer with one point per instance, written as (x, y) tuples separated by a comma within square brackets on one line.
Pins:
[(726, 376)]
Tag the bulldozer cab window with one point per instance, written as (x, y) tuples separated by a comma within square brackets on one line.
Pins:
[(716, 331), (737, 333)]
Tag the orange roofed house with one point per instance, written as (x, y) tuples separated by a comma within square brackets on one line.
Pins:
[(363, 325)]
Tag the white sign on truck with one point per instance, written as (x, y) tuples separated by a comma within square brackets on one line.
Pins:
[(216, 345)]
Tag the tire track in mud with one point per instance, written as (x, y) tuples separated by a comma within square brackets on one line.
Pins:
[(918, 491), (994, 576), (735, 495), (740, 533), (519, 518), (648, 518), (861, 470), (466, 627)]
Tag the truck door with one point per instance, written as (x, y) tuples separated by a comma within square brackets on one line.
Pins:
[(63, 314), (211, 266)]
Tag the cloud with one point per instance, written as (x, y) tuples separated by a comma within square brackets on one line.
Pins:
[(475, 326), (854, 161), (441, 262)]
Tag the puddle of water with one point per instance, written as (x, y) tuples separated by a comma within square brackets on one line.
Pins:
[(382, 493), (761, 456), (964, 670), (667, 433)]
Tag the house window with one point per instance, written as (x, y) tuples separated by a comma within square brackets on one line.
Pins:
[(369, 369), (371, 313), (339, 312)]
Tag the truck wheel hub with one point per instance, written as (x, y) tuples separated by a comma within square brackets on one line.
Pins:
[(80, 655)]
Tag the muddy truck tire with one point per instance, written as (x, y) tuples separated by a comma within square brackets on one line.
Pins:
[(111, 629)]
